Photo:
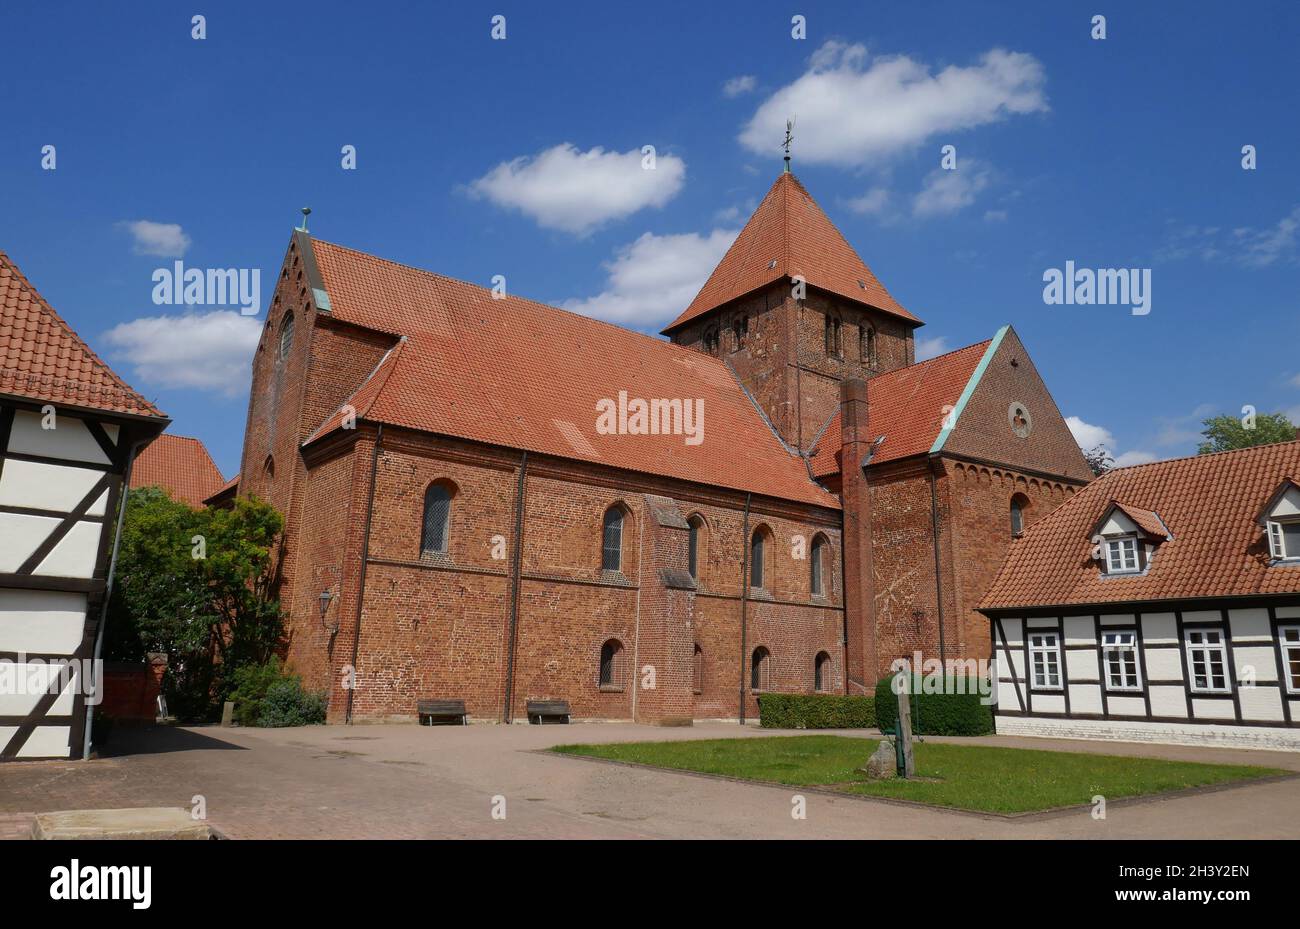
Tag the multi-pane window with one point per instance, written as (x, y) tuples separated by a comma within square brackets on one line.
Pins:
[(1207, 659), (1045, 660), (611, 546), (1017, 516), (818, 566), (1284, 540), (1122, 555), (437, 520), (1120, 659), (1290, 642), (756, 547), (286, 334)]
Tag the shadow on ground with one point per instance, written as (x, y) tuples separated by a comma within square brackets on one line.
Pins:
[(158, 740)]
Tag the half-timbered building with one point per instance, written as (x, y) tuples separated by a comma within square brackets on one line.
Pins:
[(69, 428)]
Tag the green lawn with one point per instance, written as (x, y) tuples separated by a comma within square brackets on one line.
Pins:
[(969, 777)]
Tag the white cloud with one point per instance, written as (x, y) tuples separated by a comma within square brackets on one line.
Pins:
[(849, 113), (1245, 245), (1133, 458), (932, 347), (564, 188), (743, 84), (167, 240), (654, 278), (1265, 247), (949, 191), (1089, 436), (1295, 381), (872, 203), (210, 351)]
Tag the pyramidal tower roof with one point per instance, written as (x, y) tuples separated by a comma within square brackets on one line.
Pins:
[(789, 235)]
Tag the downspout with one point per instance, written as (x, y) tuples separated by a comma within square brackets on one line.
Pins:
[(108, 592), (744, 603), (365, 560), (516, 558), (636, 628), (938, 579)]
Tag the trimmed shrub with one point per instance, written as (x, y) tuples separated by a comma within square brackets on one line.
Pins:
[(265, 695), (956, 711), (815, 711)]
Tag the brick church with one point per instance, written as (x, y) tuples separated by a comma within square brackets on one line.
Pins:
[(460, 525)]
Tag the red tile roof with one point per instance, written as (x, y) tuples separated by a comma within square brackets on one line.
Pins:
[(226, 490), (42, 359), (1209, 503), (1146, 520), (180, 465), (789, 235), (520, 374), (906, 406)]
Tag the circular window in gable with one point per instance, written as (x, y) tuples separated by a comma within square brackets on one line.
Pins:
[(1018, 416)]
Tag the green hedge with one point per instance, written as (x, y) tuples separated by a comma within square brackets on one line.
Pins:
[(815, 711), (947, 713)]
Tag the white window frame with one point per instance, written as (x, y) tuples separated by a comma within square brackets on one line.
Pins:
[(1211, 650), (1112, 644), (1277, 541), (1116, 546), (1288, 640), (1049, 655)]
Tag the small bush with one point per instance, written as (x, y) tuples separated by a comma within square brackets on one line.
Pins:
[(948, 713), (265, 695), (815, 711)]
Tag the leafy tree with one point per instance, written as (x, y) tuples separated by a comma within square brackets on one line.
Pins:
[(1099, 460), (1224, 433), (200, 586)]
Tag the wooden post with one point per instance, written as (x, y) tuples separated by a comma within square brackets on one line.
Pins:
[(904, 734)]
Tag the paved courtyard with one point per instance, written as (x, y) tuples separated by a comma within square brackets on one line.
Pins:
[(406, 781)]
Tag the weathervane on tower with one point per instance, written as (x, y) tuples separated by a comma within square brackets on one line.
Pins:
[(789, 128)]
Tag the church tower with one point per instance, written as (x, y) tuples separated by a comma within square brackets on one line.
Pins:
[(794, 311)]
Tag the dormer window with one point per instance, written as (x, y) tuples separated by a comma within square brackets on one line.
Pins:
[(1281, 521), (1122, 555)]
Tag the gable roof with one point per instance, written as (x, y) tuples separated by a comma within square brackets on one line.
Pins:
[(788, 235), (1209, 504), (519, 374), (1147, 520), (42, 359), (180, 465), (1288, 483), (906, 406)]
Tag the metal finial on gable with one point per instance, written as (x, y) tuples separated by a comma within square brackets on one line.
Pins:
[(306, 211), (789, 137)]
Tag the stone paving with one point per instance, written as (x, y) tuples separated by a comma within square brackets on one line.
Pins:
[(407, 781)]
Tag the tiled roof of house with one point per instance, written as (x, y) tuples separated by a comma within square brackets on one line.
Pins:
[(1209, 504), (519, 374), (227, 489), (789, 235), (42, 359), (180, 465), (1146, 520), (907, 407)]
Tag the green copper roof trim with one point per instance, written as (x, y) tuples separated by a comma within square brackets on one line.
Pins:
[(983, 366), (314, 279)]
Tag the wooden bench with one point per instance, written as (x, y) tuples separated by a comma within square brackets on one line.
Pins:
[(541, 710), (429, 710)]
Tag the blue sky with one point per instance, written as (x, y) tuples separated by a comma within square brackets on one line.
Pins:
[(522, 157)]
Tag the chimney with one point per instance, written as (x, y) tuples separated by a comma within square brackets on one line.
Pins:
[(860, 658)]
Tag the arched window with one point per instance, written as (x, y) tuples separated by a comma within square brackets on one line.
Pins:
[(695, 532), (821, 670), (740, 328), (757, 549), (760, 669), (819, 548), (286, 334), (711, 340), (437, 520), (1019, 503), (868, 346), (834, 344), (268, 466), (611, 545), (697, 670), (611, 664)]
